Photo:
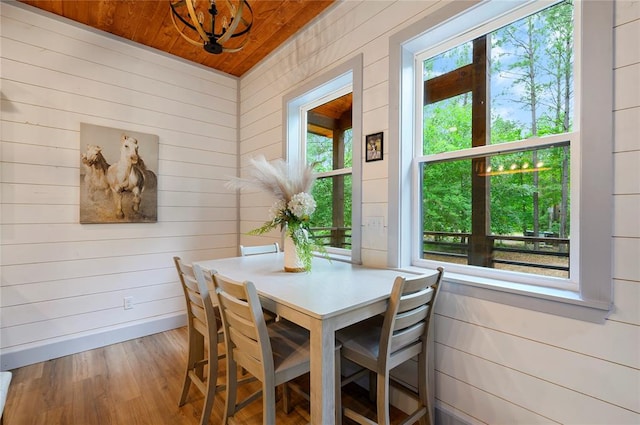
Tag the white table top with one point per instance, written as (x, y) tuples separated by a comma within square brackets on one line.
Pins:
[(329, 289)]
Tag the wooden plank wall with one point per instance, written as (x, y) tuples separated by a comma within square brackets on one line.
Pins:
[(62, 281), (494, 363)]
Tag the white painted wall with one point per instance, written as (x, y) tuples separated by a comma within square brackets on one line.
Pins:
[(62, 283), (494, 363)]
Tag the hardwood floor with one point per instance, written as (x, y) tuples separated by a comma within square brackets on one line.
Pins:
[(137, 382)]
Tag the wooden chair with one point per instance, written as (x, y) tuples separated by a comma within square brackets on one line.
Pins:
[(204, 328), (383, 342), (259, 249), (274, 354)]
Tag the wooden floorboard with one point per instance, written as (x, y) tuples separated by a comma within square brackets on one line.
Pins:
[(137, 382)]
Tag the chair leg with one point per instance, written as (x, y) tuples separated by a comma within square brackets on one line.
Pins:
[(372, 386), (232, 389), (286, 399), (185, 388), (268, 402), (194, 355), (212, 381), (423, 389), (338, 377), (382, 401)]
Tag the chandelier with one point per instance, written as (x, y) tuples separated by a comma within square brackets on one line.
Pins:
[(224, 30)]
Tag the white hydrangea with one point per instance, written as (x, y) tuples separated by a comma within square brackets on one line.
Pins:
[(276, 209), (302, 205)]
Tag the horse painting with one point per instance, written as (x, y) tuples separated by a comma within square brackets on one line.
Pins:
[(116, 184), (127, 175), (95, 178)]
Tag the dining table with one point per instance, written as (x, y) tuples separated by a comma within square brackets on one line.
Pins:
[(333, 294)]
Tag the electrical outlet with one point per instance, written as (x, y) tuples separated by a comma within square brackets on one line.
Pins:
[(374, 223), (128, 303)]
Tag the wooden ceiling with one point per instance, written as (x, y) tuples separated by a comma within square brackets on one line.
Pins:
[(149, 22), (328, 117)]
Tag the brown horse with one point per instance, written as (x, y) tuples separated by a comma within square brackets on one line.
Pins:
[(126, 175)]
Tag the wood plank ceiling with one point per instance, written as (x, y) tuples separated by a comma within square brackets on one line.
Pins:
[(149, 22)]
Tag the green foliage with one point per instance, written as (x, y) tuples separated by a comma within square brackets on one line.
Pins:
[(328, 213), (298, 230)]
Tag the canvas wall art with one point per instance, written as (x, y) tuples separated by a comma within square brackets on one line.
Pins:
[(118, 175)]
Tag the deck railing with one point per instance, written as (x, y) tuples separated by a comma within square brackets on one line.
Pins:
[(524, 253), (543, 252), (339, 237)]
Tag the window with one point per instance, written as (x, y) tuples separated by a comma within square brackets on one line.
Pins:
[(495, 129), (501, 207), (322, 119)]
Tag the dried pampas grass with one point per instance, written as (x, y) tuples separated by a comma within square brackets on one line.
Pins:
[(277, 177)]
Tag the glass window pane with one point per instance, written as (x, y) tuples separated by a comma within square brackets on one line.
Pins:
[(331, 223), (447, 125), (530, 80), (526, 227), (532, 75), (448, 61), (329, 134), (320, 152)]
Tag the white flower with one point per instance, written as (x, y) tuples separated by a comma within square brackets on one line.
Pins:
[(302, 205), (276, 209)]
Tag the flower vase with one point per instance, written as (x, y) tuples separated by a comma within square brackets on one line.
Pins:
[(292, 262)]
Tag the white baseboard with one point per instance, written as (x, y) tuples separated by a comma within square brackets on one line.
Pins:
[(12, 359), (449, 415)]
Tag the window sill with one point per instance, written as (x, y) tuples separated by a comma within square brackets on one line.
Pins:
[(547, 300)]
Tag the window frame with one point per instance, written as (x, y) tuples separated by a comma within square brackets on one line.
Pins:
[(594, 198), (317, 91)]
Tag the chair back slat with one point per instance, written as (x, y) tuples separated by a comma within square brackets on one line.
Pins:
[(235, 306), (410, 318), (241, 325), (245, 343), (195, 298), (259, 249), (250, 363), (406, 337), (231, 288), (412, 300), (199, 315)]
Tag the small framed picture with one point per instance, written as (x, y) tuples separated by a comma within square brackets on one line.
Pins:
[(373, 147)]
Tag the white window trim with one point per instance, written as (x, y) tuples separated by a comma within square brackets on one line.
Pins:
[(315, 92), (593, 300)]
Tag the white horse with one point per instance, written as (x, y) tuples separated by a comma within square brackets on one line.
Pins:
[(126, 175), (95, 178)]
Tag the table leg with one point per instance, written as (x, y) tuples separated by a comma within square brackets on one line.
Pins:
[(322, 373)]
